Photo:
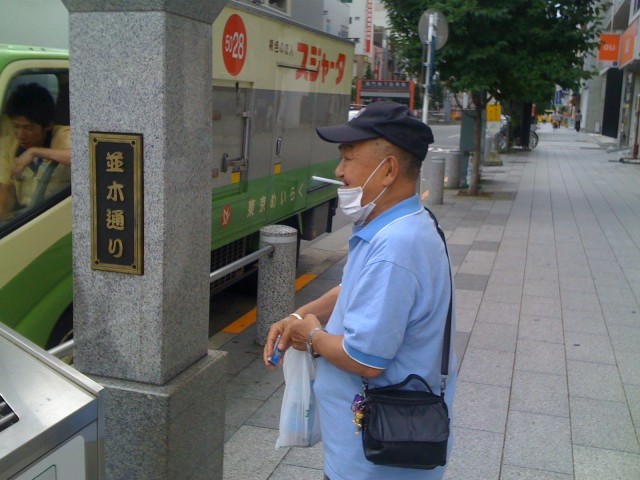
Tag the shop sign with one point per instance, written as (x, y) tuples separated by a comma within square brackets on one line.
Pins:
[(609, 48), (628, 44)]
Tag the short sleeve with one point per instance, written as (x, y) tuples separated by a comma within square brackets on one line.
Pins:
[(377, 313), (61, 138)]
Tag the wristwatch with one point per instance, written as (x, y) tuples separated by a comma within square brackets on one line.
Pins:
[(309, 341)]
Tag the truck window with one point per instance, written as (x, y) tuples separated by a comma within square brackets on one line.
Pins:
[(43, 182)]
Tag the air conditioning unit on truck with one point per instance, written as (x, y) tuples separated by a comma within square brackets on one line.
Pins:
[(274, 82)]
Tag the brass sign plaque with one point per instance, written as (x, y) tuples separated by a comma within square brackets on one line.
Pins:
[(116, 202)]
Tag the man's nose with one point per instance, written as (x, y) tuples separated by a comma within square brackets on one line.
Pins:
[(338, 171)]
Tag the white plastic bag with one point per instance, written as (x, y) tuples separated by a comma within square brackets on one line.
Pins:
[(299, 419)]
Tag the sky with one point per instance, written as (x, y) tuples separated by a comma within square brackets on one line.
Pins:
[(42, 23)]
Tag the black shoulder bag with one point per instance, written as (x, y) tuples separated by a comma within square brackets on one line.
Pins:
[(408, 428)]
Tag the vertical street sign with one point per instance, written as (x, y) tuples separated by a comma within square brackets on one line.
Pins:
[(116, 202)]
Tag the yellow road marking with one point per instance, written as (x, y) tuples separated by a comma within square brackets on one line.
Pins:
[(249, 318)]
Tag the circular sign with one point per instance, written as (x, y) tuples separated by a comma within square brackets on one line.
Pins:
[(234, 44), (226, 215), (441, 28)]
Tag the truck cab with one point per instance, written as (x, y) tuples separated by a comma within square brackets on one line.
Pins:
[(35, 239)]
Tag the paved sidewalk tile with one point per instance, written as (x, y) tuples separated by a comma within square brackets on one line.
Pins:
[(498, 312), (602, 424), (489, 367), (541, 357), (480, 407), (493, 336), (542, 393), (476, 455), (592, 463), (510, 472), (597, 381), (539, 328), (537, 441), (262, 460)]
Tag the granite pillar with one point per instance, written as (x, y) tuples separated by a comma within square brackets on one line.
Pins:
[(276, 278), (452, 169), (436, 182), (145, 67)]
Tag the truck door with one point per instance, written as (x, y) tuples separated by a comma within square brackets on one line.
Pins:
[(231, 125), (290, 155)]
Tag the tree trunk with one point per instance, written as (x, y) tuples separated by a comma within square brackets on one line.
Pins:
[(477, 150)]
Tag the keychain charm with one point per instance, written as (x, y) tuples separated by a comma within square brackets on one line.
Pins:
[(357, 407)]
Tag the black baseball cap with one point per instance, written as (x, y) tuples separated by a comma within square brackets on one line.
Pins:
[(389, 120)]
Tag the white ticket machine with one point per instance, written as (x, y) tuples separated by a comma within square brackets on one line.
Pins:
[(51, 416)]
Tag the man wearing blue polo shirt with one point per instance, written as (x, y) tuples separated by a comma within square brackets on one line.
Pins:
[(386, 320)]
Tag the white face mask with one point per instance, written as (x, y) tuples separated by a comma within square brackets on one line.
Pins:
[(350, 200)]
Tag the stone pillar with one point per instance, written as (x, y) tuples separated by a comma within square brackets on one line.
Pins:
[(436, 182), (452, 169), (145, 67), (276, 278), (492, 159)]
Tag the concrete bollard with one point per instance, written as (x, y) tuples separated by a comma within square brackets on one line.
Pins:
[(492, 159), (276, 278), (436, 182), (452, 169)]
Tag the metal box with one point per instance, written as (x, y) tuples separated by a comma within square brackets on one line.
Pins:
[(51, 416)]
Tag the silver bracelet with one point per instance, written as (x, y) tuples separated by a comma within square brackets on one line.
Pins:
[(297, 315)]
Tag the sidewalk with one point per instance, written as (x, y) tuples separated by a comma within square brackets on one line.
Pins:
[(547, 272)]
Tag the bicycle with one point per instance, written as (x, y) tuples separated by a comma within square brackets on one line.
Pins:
[(501, 140)]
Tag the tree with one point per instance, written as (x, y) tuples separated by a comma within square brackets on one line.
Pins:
[(510, 50)]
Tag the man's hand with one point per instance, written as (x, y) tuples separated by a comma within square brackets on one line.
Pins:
[(300, 329), (293, 333), (280, 328), (21, 162)]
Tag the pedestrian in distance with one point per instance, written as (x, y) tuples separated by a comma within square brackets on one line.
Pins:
[(386, 319), (578, 120)]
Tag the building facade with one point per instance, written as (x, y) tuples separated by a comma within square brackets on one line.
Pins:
[(610, 101)]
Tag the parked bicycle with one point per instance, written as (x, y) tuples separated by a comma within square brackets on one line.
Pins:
[(501, 139)]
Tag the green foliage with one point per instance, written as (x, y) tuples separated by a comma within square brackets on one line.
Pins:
[(513, 50), (368, 75), (508, 49)]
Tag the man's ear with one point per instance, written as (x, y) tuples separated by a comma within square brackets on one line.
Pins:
[(392, 170)]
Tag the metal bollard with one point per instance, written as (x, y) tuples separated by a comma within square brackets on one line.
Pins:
[(276, 278), (452, 170), (436, 182)]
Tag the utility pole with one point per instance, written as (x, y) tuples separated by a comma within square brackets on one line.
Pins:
[(433, 22)]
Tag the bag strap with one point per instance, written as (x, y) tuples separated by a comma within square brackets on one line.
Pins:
[(446, 342)]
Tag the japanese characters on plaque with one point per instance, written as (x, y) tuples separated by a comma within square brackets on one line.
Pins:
[(117, 207)]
